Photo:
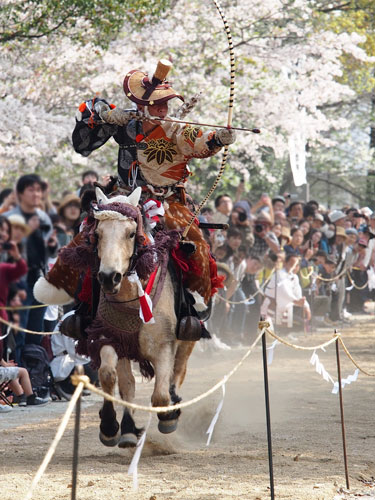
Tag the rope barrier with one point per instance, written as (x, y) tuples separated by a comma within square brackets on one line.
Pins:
[(346, 350), (59, 434), (299, 347), (357, 287), (331, 279), (165, 409), (20, 329), (336, 336), (22, 308)]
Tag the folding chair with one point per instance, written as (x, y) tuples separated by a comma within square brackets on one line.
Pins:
[(3, 396)]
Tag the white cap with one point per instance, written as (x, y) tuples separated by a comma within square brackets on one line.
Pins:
[(336, 215)]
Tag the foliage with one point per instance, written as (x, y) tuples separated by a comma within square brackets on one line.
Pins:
[(97, 21), (296, 71)]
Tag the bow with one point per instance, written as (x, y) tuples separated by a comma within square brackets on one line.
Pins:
[(229, 119)]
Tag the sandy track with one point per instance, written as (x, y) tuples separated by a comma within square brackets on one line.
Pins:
[(307, 444)]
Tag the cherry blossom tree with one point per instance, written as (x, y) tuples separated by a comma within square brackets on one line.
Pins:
[(288, 70)]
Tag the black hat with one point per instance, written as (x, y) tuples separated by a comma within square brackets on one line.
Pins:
[(28, 180)]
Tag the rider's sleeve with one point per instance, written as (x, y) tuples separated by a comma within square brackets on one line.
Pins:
[(192, 141), (91, 132)]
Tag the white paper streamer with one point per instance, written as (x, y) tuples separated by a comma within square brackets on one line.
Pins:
[(211, 428), (323, 372), (271, 350), (320, 368), (133, 467), (345, 381)]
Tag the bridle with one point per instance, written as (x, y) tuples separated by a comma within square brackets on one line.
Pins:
[(120, 211)]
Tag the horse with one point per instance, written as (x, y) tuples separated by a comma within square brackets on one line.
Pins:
[(155, 346)]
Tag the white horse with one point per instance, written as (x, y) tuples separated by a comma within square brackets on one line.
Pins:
[(157, 342)]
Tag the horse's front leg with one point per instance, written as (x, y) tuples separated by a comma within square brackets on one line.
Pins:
[(163, 365), (109, 427), (184, 350), (126, 382)]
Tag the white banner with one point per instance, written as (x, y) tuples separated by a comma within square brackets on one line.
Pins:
[(297, 157)]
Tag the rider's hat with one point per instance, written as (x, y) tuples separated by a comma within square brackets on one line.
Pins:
[(142, 89)]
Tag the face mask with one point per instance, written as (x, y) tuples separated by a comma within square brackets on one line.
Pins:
[(329, 234)]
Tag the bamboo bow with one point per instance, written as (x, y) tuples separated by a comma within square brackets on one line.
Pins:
[(229, 120)]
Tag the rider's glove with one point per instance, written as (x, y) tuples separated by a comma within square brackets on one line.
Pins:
[(225, 136)]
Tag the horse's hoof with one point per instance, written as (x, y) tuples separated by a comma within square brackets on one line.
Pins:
[(128, 440), (109, 441), (167, 426)]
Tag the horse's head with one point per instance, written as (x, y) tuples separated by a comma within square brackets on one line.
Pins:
[(117, 231)]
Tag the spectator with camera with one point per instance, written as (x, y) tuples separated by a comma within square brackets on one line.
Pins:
[(264, 238), (240, 218), (9, 271)]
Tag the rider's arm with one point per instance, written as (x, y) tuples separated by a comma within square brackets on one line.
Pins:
[(91, 131)]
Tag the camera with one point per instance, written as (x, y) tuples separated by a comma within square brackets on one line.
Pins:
[(242, 217), (258, 228), (44, 228), (7, 245)]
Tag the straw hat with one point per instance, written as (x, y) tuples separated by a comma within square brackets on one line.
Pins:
[(285, 233), (69, 198), (340, 231), (140, 89), (18, 220)]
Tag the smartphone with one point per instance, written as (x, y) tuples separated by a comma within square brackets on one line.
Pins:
[(7, 245)]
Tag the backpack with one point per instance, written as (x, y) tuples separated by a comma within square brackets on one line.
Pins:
[(35, 359)]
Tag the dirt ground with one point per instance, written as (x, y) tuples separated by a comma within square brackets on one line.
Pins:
[(306, 433)]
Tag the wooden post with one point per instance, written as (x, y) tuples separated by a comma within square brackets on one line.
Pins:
[(79, 371), (268, 416), (342, 412)]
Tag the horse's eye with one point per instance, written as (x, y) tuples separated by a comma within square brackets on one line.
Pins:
[(131, 235)]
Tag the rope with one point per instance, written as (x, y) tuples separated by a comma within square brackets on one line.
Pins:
[(55, 442), (369, 374), (20, 329), (336, 336), (306, 276), (229, 120), (331, 279), (299, 347), (21, 308), (165, 409), (357, 287), (260, 289)]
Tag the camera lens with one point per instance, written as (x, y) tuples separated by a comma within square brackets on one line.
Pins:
[(7, 246), (258, 228), (242, 217)]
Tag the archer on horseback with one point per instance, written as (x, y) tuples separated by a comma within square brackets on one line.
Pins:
[(154, 155)]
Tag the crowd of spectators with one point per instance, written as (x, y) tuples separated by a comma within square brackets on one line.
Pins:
[(32, 230), (294, 262)]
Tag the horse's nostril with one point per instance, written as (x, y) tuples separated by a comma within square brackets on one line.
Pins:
[(117, 278), (109, 279)]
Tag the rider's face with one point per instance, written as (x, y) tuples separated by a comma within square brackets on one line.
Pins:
[(159, 110)]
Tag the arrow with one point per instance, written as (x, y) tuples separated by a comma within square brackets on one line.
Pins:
[(253, 130)]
